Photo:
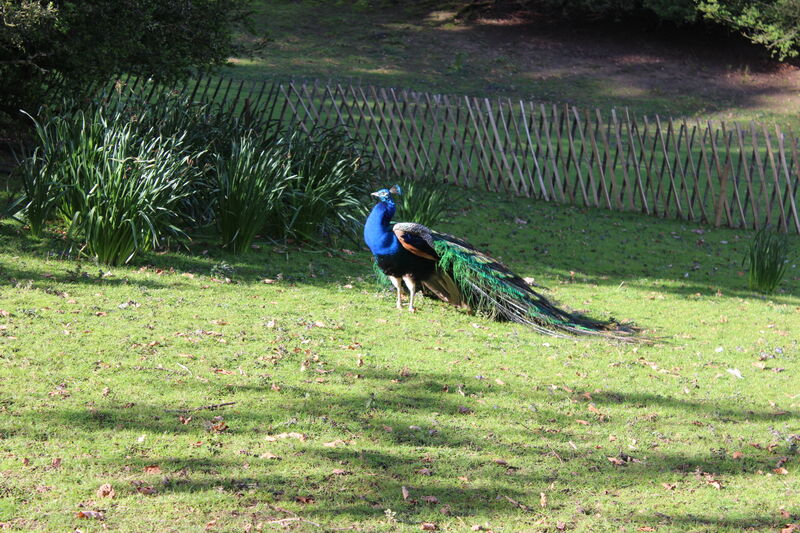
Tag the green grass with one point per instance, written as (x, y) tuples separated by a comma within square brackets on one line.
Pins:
[(474, 413), (417, 47)]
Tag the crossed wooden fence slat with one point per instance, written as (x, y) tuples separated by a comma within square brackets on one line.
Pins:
[(731, 174)]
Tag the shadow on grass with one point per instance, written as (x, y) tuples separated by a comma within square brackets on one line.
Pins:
[(692, 522), (423, 421)]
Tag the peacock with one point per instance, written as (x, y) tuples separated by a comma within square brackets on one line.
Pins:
[(454, 271)]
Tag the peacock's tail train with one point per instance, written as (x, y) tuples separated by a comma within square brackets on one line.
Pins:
[(467, 277)]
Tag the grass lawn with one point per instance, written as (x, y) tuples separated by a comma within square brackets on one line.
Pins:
[(392, 44), (337, 401)]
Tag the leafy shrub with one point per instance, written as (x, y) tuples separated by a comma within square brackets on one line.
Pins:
[(772, 23), (126, 173), (118, 190), (135, 199), (68, 44), (206, 130), (249, 185), (325, 199), (423, 202), (767, 259)]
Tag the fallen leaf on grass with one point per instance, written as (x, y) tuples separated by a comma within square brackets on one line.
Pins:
[(543, 500), (595, 410), (335, 443), (582, 422), (428, 526), (791, 528), (430, 499), (305, 499), (405, 492), (646, 528), (55, 463), (152, 469), (219, 427), (737, 455), (735, 372), (299, 436), (268, 455), (616, 461), (94, 515), (340, 472), (669, 486), (105, 491), (141, 488), (424, 471), (781, 471)]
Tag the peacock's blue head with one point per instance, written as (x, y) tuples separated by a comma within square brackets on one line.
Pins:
[(385, 195)]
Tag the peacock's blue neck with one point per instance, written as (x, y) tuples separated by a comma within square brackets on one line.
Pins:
[(378, 232)]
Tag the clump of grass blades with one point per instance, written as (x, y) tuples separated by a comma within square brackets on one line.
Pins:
[(136, 197), (41, 191), (423, 202), (250, 182), (118, 190), (67, 151), (325, 199), (767, 259), (207, 129), (126, 172)]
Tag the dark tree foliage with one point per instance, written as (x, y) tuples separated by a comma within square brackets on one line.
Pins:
[(774, 24), (71, 43)]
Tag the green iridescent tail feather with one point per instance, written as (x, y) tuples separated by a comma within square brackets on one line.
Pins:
[(488, 286)]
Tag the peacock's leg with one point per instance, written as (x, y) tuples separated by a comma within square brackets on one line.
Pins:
[(412, 289), (397, 285)]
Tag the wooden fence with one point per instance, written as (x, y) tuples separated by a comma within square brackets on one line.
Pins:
[(741, 176)]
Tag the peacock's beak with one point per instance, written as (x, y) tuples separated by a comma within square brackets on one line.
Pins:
[(376, 194)]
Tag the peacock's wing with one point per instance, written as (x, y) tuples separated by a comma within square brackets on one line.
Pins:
[(419, 240), (489, 286), (416, 238)]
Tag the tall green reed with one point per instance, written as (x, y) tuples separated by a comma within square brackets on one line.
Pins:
[(325, 201), (767, 259), (250, 182), (423, 202), (119, 190), (134, 201)]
